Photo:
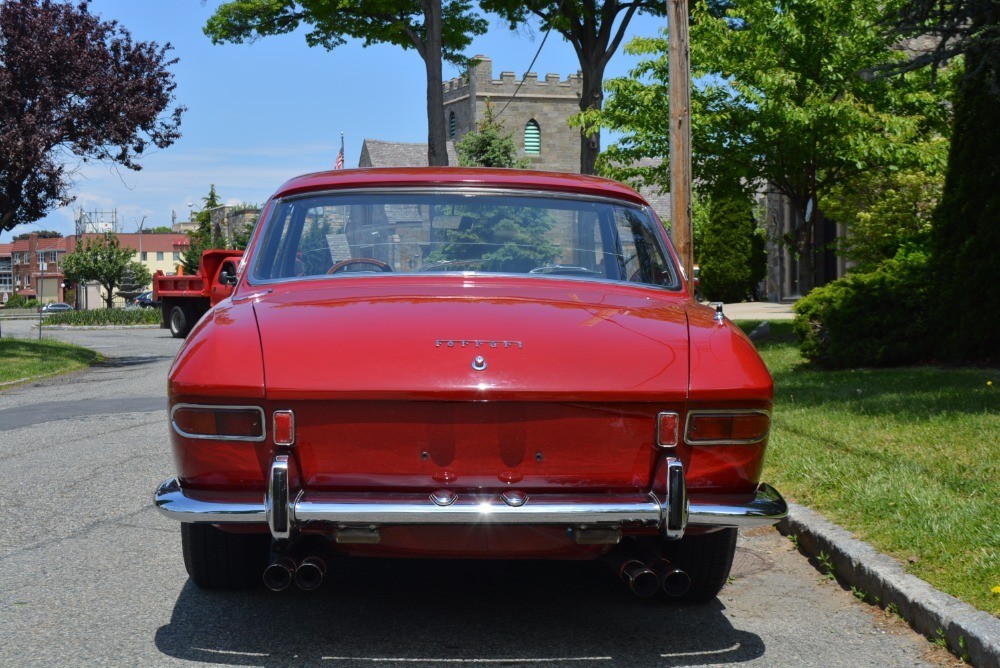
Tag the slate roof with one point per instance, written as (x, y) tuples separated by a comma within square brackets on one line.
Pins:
[(377, 153)]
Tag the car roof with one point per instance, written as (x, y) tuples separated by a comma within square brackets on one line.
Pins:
[(457, 176)]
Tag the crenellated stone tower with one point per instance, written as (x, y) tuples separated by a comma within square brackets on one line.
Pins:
[(536, 115)]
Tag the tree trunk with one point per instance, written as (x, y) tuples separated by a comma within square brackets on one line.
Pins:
[(109, 301), (591, 97), (807, 248), (437, 137)]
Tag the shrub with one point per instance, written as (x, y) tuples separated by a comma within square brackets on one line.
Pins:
[(20, 301), (103, 316), (871, 319)]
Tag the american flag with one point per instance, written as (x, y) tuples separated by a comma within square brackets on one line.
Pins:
[(340, 156)]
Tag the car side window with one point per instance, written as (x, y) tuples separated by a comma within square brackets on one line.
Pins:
[(643, 259)]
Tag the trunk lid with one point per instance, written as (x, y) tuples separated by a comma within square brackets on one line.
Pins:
[(383, 379)]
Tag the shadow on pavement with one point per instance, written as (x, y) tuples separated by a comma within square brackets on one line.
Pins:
[(418, 612), (129, 361)]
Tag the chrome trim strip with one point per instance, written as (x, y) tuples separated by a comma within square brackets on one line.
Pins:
[(216, 407), (451, 188), (563, 509), (727, 411)]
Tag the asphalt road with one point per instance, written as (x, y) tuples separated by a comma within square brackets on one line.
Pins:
[(91, 574)]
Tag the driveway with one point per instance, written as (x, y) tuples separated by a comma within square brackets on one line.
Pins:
[(91, 574)]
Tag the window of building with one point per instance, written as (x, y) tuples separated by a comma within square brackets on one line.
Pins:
[(532, 138), (145, 256), (452, 124), (159, 256), (177, 256)]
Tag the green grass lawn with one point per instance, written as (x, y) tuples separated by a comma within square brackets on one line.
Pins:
[(908, 459), (28, 358)]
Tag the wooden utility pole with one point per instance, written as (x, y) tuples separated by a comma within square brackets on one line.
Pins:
[(680, 134)]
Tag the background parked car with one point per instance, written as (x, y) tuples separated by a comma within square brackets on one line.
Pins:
[(145, 300), (56, 307)]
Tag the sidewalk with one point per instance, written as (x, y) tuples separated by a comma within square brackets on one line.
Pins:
[(759, 311)]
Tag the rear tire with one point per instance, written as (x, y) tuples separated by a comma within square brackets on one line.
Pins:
[(180, 322), (216, 559), (707, 558)]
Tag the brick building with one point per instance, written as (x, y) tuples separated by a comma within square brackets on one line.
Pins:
[(35, 267), (6, 271)]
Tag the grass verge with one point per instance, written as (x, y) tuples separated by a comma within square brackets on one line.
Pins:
[(26, 358), (103, 316), (906, 458)]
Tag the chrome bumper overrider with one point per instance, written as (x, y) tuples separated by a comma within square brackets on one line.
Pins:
[(284, 512)]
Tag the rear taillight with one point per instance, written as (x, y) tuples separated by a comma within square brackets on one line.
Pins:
[(284, 428), (218, 423), (727, 427), (667, 429)]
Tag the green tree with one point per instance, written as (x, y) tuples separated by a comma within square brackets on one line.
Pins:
[(965, 238), (885, 212), (160, 229), (595, 29), (729, 258), (489, 145), (438, 30), (786, 95), (105, 260), (501, 239), (207, 236), (314, 249)]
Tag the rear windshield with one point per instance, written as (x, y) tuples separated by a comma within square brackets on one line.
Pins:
[(346, 234)]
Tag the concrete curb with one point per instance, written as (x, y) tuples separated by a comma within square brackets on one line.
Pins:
[(970, 633)]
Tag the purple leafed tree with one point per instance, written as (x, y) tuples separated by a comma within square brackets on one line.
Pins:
[(73, 88)]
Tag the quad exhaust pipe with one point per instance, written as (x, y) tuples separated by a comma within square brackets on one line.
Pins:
[(646, 572), (307, 574)]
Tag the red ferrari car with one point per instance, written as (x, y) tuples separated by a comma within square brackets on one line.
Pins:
[(465, 363)]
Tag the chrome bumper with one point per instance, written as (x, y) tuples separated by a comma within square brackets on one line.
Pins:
[(283, 513)]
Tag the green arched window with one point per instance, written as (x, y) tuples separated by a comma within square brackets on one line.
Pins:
[(532, 138)]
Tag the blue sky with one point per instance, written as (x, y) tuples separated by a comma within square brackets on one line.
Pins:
[(259, 114)]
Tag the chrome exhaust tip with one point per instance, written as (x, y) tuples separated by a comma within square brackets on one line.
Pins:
[(676, 583), (278, 576), (673, 581), (310, 573), (640, 579)]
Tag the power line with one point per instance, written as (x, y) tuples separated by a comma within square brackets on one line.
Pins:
[(525, 75)]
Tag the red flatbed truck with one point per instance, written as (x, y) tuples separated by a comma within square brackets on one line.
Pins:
[(184, 298)]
